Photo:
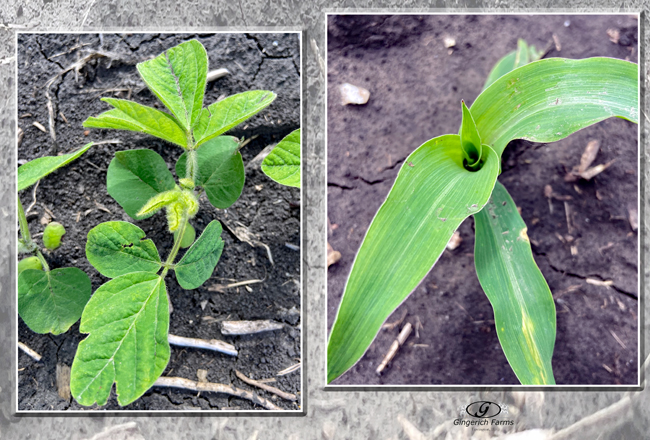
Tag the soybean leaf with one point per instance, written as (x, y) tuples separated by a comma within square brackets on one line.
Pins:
[(517, 58), (129, 115), (35, 170), (117, 248), (221, 170), (177, 77), (548, 100), (128, 322), (431, 197), (283, 162), (135, 176), (524, 311), (51, 301), (199, 261), (470, 141), (229, 112)]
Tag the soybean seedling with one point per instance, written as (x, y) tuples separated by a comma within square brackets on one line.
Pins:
[(451, 177), (128, 317), (49, 301)]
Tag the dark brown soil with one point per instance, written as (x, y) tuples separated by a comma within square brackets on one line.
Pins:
[(255, 61), (416, 87)]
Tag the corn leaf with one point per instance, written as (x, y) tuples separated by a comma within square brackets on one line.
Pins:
[(178, 77), (128, 322), (135, 176), (129, 115), (517, 58), (431, 197), (35, 170), (470, 140), (283, 162), (221, 170), (117, 248), (199, 261), (524, 311), (229, 112), (51, 301), (548, 100)]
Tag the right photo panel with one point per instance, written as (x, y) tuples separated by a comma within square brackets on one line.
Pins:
[(483, 200)]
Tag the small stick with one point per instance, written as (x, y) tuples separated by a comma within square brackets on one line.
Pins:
[(269, 388), (397, 343), (30, 352), (595, 282), (180, 382), (568, 218), (248, 327), (392, 325), (29, 208), (39, 126), (212, 344), (216, 74), (290, 369)]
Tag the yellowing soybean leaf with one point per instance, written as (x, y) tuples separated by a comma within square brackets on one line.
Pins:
[(548, 100), (50, 302), (431, 197), (229, 112), (117, 248), (199, 261), (283, 162), (177, 77), (35, 170), (135, 176), (524, 311), (129, 115), (221, 170), (128, 322)]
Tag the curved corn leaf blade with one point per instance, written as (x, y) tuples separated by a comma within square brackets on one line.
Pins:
[(431, 197), (470, 141), (229, 112), (129, 115), (517, 58), (128, 322), (118, 248), (548, 100), (35, 170), (524, 311), (221, 170), (135, 176), (50, 302), (283, 162), (198, 263)]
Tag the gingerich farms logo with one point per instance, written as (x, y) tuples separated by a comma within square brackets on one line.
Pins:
[(483, 414)]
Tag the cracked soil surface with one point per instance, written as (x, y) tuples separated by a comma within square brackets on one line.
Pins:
[(416, 86), (77, 197)]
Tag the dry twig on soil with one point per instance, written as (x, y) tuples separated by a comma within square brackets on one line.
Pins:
[(249, 327), (211, 344), (31, 353), (401, 338), (270, 389)]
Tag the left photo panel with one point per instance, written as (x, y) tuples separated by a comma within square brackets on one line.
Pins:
[(159, 214)]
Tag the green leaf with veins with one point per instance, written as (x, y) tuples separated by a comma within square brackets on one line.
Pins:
[(283, 162), (198, 263), (221, 170), (51, 301), (118, 248), (548, 100), (128, 322), (517, 58), (129, 115), (35, 170), (178, 77), (524, 311), (229, 112), (135, 176), (470, 141), (431, 197)]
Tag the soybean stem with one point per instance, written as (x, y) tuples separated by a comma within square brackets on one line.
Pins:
[(177, 245)]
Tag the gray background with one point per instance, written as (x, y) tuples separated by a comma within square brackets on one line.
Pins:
[(332, 414)]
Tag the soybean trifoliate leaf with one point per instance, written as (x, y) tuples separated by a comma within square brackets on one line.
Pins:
[(117, 248), (221, 170), (51, 301), (128, 322), (35, 170), (548, 100), (524, 311), (129, 115), (199, 261), (135, 176), (470, 141), (431, 197), (177, 77), (283, 162), (159, 201), (229, 112)]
